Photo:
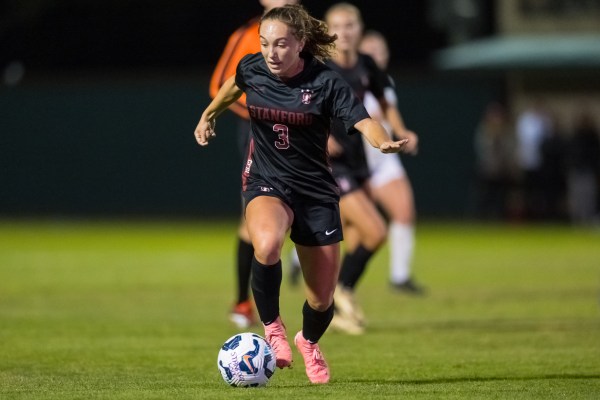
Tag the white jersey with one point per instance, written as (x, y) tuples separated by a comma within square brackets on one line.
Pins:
[(383, 167)]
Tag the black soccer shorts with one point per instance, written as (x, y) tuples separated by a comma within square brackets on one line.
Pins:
[(316, 223), (348, 180)]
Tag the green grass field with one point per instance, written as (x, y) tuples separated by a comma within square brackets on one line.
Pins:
[(138, 310)]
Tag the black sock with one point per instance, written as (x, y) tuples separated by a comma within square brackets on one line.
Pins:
[(315, 323), (266, 282), (353, 266), (245, 253)]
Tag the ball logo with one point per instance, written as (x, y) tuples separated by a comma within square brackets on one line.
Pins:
[(306, 95), (248, 361)]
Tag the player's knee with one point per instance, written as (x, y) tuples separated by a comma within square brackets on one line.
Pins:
[(267, 252), (377, 237), (322, 303)]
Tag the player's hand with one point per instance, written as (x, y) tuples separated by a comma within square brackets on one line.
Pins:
[(412, 147), (205, 131), (393, 147)]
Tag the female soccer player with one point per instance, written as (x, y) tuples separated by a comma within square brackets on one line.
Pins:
[(291, 98), (389, 184), (363, 225)]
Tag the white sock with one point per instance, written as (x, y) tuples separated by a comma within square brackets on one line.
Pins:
[(402, 243), (294, 257)]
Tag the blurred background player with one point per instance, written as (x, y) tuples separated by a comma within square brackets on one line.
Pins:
[(364, 227), (245, 40), (583, 169), (496, 167), (389, 184), (534, 125)]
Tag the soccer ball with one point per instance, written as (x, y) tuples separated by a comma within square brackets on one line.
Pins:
[(246, 360)]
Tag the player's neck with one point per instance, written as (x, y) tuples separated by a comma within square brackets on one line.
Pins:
[(295, 71)]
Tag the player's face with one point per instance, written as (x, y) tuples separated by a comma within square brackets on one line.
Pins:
[(377, 49), (280, 48), (347, 26)]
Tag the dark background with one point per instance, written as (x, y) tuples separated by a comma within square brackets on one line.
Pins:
[(100, 119), (163, 33)]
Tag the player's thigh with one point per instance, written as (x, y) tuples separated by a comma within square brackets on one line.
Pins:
[(351, 238), (268, 219), (359, 211), (243, 230), (396, 198), (320, 267)]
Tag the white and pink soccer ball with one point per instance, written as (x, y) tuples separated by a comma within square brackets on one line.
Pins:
[(246, 360)]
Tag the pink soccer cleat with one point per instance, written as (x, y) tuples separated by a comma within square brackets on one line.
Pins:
[(316, 366), (275, 335)]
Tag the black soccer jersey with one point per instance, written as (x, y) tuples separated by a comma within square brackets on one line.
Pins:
[(291, 123), (362, 77)]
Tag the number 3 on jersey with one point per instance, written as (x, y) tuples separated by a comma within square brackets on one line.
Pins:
[(284, 140)]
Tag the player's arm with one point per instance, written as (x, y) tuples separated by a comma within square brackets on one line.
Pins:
[(380, 87), (376, 135), (228, 94), (392, 115), (243, 41)]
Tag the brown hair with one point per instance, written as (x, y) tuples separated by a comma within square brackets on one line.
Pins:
[(313, 31)]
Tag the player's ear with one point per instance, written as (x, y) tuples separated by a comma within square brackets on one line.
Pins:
[(301, 47)]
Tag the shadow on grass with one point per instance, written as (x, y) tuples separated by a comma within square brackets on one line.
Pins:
[(471, 379), (496, 325)]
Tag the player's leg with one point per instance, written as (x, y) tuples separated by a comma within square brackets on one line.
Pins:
[(349, 316), (395, 196), (295, 269), (242, 314), (351, 238), (359, 213), (364, 223), (268, 219), (320, 267), (351, 241)]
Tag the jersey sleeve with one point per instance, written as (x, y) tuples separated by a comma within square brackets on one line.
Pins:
[(243, 41), (346, 107), (241, 70)]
